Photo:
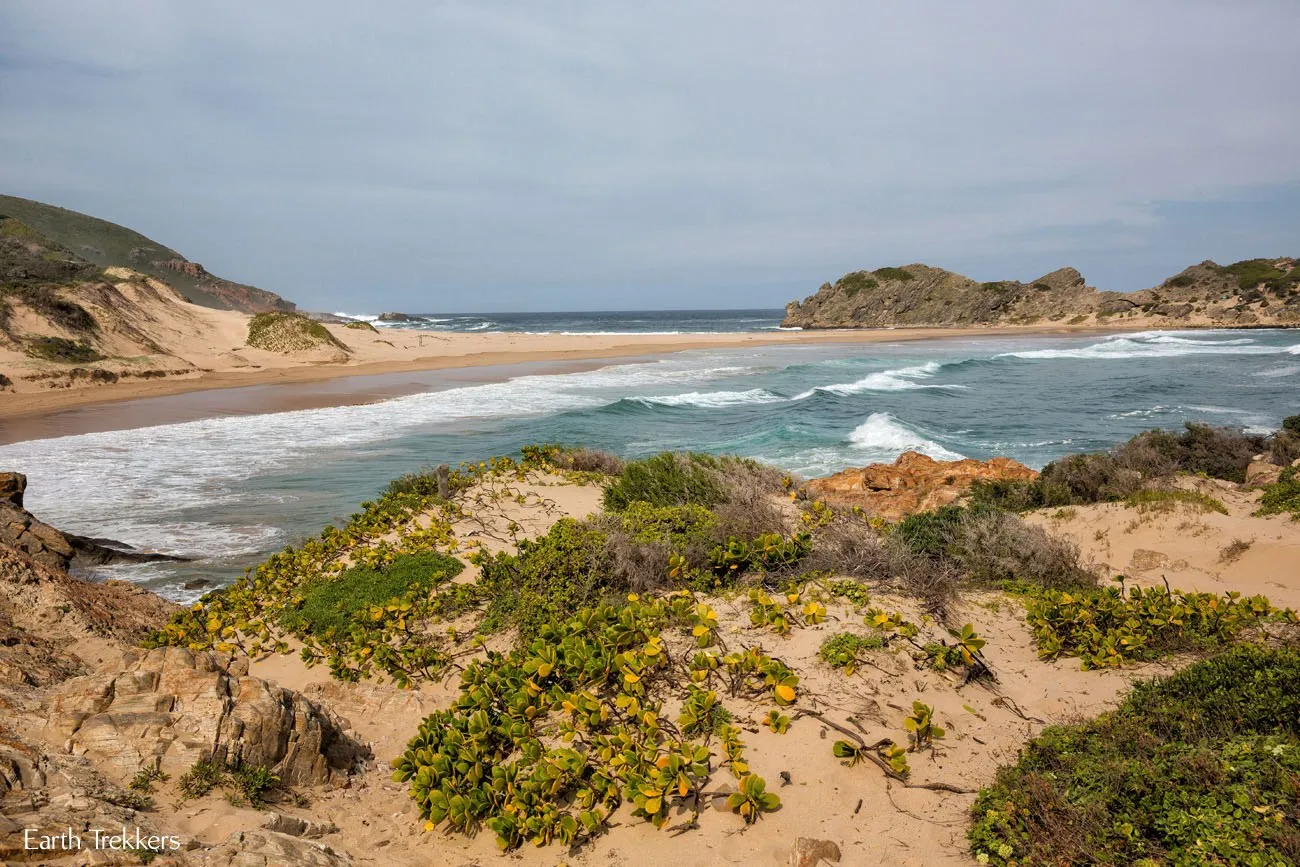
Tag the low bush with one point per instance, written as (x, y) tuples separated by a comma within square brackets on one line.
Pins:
[(1283, 495), (894, 274), (289, 332), (551, 577), (46, 302), (996, 548), (667, 479), (1148, 458), (585, 460), (243, 784), (1202, 767), (361, 326), (62, 350)]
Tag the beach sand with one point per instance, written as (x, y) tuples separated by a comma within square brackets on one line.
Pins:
[(214, 348)]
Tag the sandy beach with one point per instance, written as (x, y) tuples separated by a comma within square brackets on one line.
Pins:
[(406, 351)]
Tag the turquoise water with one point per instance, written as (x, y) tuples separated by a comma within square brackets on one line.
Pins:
[(228, 490)]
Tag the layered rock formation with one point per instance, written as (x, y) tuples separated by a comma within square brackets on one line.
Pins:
[(1253, 292), (169, 708), (83, 710), (913, 483)]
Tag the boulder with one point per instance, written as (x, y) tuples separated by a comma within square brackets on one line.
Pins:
[(913, 483), (169, 708), (809, 852), (12, 486), (1262, 472)]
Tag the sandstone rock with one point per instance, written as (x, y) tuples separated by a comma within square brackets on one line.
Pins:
[(12, 486), (809, 852), (270, 849), (1262, 472), (296, 827), (169, 708), (913, 483)]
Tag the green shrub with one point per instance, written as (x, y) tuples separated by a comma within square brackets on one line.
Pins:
[(1180, 281), (361, 326), (1283, 495), (5, 382), (997, 548), (1291, 424), (63, 350), (1125, 470), (333, 604), (894, 274), (550, 578), (1251, 273), (931, 533), (668, 479), (1202, 767), (244, 784), (679, 526)]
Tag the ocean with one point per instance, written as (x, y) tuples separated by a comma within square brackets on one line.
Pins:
[(600, 322), (229, 490)]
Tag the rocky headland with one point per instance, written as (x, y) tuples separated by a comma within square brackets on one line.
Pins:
[(1251, 293)]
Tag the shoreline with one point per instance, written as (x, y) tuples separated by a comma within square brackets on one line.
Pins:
[(469, 352)]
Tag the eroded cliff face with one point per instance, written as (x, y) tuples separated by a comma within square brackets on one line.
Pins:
[(1255, 292)]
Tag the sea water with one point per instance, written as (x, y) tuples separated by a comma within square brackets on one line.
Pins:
[(230, 490)]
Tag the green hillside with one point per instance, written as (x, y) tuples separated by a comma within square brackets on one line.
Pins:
[(107, 244)]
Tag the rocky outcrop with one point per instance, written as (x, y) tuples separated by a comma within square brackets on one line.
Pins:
[(271, 849), (1253, 292), (21, 530), (169, 708), (913, 483)]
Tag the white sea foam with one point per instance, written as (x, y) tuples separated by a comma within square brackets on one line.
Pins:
[(1154, 344), (713, 399), (885, 438), (899, 379), (144, 480), (1287, 370)]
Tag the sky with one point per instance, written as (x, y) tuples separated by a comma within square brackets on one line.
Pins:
[(486, 156)]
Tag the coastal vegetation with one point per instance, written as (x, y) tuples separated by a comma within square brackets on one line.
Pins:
[(1201, 767), (626, 661), (289, 332)]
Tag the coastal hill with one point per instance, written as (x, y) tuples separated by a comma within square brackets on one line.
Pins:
[(1254, 292), (40, 242)]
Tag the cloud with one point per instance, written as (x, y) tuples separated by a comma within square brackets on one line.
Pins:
[(460, 156)]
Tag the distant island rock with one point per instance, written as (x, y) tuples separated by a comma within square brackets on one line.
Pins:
[(399, 317), (1254, 292)]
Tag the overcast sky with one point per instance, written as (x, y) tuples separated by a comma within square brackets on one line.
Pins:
[(486, 156)]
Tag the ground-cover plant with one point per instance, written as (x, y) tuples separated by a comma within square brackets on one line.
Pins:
[(844, 650), (1283, 495), (1109, 627), (331, 605), (544, 743), (1202, 767), (1159, 499)]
